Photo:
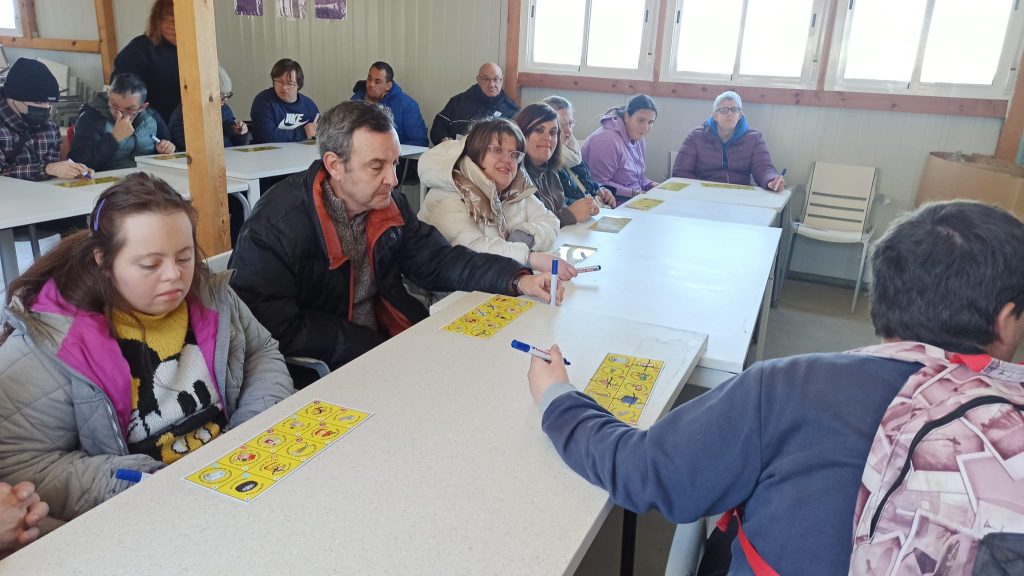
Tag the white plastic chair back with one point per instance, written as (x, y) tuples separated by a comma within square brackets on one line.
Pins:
[(839, 197), (218, 263)]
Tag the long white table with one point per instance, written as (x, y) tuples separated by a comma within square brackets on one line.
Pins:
[(26, 203), (451, 475), (675, 204), (249, 163)]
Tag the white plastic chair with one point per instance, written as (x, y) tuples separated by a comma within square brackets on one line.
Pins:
[(838, 210), (218, 262), (671, 162)]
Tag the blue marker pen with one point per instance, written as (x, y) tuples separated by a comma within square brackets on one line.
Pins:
[(534, 351), (588, 269), (157, 140), (133, 476), (554, 282), (781, 175), (86, 174)]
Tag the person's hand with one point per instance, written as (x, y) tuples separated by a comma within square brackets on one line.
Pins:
[(67, 169), (606, 196), (165, 147), (583, 209), (310, 128), (543, 374), (122, 126), (21, 510), (778, 184), (539, 286), (541, 262), (241, 127)]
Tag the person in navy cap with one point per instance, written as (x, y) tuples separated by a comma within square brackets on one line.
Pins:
[(29, 140)]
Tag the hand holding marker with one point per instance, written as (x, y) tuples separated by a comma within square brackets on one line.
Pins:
[(534, 351)]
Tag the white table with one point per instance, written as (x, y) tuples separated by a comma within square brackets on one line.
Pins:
[(286, 158), (451, 475), (26, 203), (675, 204), (701, 275)]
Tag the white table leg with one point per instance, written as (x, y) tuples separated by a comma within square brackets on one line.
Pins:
[(254, 192)]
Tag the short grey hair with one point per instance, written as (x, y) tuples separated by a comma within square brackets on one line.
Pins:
[(727, 95), (336, 126), (558, 103)]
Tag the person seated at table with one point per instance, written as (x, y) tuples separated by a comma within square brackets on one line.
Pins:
[(21, 512), (280, 113), (153, 56), (485, 99), (480, 197), (380, 87), (577, 181), (725, 149), (117, 125), (121, 350), (787, 439), (29, 140), (236, 132), (617, 151), (321, 260)]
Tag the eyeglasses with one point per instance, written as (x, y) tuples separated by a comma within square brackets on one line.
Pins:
[(729, 110), (569, 124), (489, 80), (226, 95), (129, 113), (286, 84), (513, 155)]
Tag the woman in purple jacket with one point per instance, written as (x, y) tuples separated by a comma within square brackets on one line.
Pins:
[(725, 149), (617, 153)]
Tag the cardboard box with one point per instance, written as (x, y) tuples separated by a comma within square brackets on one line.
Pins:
[(949, 176)]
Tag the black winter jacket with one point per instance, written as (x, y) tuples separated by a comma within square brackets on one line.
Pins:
[(454, 119), (291, 272)]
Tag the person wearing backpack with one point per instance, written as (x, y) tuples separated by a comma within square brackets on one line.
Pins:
[(787, 442)]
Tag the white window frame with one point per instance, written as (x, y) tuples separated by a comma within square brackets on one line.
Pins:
[(808, 74), (645, 65), (16, 31), (1000, 89)]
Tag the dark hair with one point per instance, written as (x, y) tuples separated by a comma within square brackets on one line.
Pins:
[(943, 273), (482, 131), (286, 65), (336, 126), (127, 84), (389, 72), (72, 263), (635, 104), (532, 116), (161, 9)]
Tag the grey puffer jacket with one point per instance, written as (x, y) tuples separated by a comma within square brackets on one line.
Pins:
[(64, 430)]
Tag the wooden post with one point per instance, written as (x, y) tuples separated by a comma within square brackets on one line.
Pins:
[(108, 36), (200, 98), (1013, 126), (512, 49), (27, 14)]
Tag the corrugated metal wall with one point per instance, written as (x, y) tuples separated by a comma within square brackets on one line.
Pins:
[(436, 47)]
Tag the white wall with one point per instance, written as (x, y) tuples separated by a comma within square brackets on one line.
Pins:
[(436, 47)]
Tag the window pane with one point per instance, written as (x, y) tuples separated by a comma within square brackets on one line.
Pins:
[(7, 14), (558, 31), (709, 32), (883, 39), (616, 32), (965, 41), (775, 37)]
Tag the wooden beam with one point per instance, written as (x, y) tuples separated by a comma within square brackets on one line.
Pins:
[(512, 35), (27, 15), (828, 19), (792, 97), (660, 38), (200, 98), (108, 36), (92, 46), (1013, 127)]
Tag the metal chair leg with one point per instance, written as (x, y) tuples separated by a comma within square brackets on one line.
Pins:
[(860, 274)]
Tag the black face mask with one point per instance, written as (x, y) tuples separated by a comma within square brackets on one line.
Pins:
[(36, 116)]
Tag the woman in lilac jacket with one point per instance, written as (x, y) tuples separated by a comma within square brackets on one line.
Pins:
[(725, 149), (617, 153)]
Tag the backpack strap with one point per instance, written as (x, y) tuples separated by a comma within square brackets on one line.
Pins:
[(756, 562)]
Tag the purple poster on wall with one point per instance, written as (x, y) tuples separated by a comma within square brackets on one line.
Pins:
[(249, 7), (332, 9), (291, 9)]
